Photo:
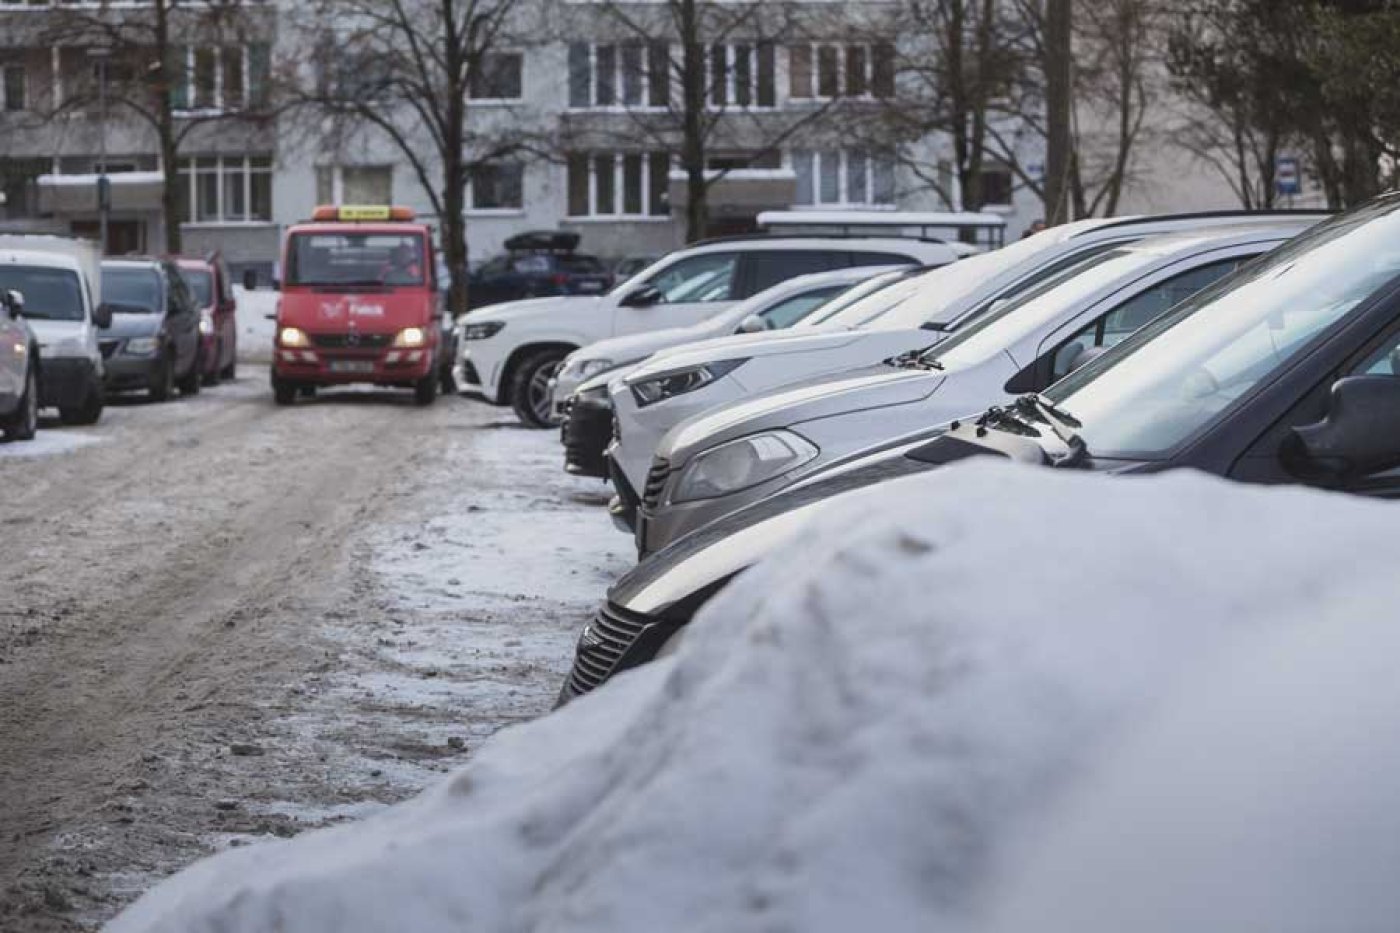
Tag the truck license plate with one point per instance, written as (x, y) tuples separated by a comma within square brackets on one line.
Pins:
[(351, 366)]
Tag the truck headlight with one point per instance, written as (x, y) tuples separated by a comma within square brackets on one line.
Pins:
[(293, 337), (206, 323), (411, 337), (681, 381), (740, 464), (482, 331), (142, 346)]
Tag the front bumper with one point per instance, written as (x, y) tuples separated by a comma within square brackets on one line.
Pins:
[(586, 432), (318, 366), (66, 382), (124, 373)]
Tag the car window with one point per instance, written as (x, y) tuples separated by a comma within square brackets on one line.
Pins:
[(136, 290), (793, 309), (49, 294), (177, 295), (530, 265), (493, 266), (881, 259), (201, 284), (1113, 328), (708, 277), (771, 267)]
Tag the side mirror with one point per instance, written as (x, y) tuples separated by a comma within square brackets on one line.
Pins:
[(753, 324), (1360, 435), (14, 302), (643, 297), (102, 316), (250, 280)]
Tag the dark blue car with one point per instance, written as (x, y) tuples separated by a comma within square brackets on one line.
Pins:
[(538, 264)]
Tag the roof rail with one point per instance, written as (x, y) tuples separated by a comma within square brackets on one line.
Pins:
[(1207, 215), (751, 237)]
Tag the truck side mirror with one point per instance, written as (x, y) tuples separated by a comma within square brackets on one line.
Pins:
[(1359, 436)]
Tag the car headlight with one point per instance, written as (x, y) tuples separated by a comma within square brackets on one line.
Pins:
[(597, 395), (743, 463), (142, 346), (293, 337), (411, 337), (206, 323), (482, 330), (669, 385)]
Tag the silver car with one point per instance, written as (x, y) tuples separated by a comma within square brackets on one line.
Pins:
[(728, 458)]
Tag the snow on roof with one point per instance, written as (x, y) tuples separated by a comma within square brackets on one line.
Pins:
[(844, 218), (117, 179), (858, 734)]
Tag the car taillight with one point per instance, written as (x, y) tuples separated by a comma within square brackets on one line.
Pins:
[(561, 278)]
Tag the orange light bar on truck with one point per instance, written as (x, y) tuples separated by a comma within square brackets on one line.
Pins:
[(351, 213)]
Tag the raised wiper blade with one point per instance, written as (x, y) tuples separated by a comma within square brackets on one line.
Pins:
[(1005, 419), (1062, 423)]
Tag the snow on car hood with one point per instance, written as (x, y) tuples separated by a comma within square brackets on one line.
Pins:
[(133, 325), (865, 731), (640, 346), (537, 307), (869, 387), (750, 346)]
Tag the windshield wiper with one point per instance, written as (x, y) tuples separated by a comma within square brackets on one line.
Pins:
[(1003, 419), (1059, 421)]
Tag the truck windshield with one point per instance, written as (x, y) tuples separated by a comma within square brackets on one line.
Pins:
[(49, 294), (349, 259), (201, 285), (135, 291), (1169, 380)]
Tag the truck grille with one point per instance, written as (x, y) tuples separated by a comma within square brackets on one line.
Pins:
[(657, 476), (352, 341), (602, 645)]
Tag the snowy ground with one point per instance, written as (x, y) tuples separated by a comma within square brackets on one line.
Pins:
[(1173, 708), (228, 622)]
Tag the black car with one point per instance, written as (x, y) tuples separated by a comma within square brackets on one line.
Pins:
[(1287, 371), (153, 343), (538, 264)]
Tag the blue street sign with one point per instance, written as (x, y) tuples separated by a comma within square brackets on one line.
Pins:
[(1288, 180)]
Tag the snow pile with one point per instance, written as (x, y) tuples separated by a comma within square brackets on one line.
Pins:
[(48, 442), (864, 732)]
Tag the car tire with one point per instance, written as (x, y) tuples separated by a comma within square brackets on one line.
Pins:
[(24, 423), (447, 383), (163, 382), (86, 413), (192, 380), (425, 390), (283, 392), (529, 389)]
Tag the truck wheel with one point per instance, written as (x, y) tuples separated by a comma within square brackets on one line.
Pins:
[(425, 390), (24, 423), (529, 389), (163, 382), (194, 378), (283, 392), (87, 413)]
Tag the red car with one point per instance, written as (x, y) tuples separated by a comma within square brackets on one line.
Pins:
[(209, 282)]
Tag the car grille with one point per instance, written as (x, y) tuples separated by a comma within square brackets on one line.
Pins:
[(585, 433), (656, 482), (469, 374), (602, 645), (108, 348), (352, 341)]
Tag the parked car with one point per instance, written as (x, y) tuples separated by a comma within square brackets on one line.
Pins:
[(722, 460), (208, 281), (538, 264), (59, 282), (509, 353), (19, 371), (587, 410), (153, 343), (910, 316), (1287, 371)]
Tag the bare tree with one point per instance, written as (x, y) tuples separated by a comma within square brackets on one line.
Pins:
[(176, 65), (407, 70)]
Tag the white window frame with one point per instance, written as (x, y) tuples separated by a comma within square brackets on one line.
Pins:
[(219, 104), (843, 181), (226, 166), (619, 195), (731, 84), (618, 70)]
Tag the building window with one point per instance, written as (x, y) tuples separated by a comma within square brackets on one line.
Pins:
[(741, 75), (499, 76), (843, 177), (14, 88), (215, 78), (497, 187), (633, 184), (823, 71), (226, 189), (997, 186), (354, 184), (632, 74)]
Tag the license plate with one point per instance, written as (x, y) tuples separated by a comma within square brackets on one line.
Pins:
[(351, 366), (590, 286)]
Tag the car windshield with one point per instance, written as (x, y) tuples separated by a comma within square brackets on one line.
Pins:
[(868, 300), (1173, 377), (331, 259), (49, 294), (996, 330), (201, 285), (136, 291)]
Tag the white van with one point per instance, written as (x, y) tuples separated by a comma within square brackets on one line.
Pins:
[(59, 283)]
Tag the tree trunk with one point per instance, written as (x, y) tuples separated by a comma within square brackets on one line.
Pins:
[(165, 133), (1058, 106), (692, 123)]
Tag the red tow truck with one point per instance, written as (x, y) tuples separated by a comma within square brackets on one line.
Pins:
[(360, 304)]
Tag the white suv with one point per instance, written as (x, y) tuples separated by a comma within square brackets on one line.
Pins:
[(508, 352)]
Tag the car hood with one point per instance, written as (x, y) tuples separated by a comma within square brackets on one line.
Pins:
[(871, 387), (537, 307), (752, 346), (132, 325), (634, 347), (47, 332)]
